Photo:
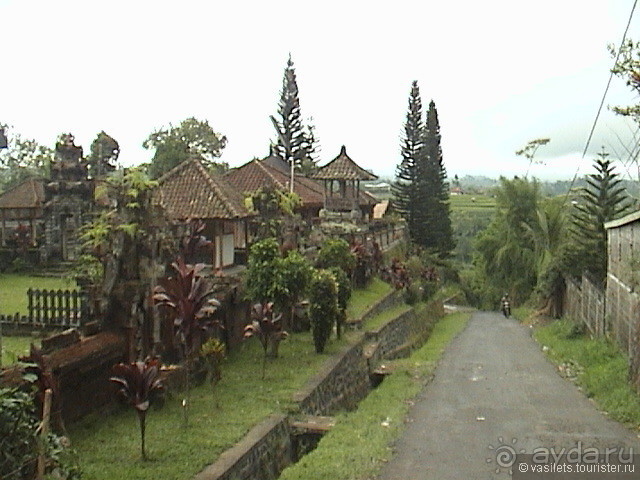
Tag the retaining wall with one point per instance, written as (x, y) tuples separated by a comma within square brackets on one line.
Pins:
[(341, 384)]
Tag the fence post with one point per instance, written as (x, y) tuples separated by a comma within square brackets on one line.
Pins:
[(44, 431)]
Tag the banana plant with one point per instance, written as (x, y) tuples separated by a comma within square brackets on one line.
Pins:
[(138, 382)]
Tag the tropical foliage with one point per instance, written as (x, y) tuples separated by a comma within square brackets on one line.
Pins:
[(267, 326), (175, 144), (138, 384), (323, 309)]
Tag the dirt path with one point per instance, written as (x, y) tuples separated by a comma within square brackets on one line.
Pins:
[(494, 391)]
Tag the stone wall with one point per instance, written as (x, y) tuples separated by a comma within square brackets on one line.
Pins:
[(263, 453), (341, 384)]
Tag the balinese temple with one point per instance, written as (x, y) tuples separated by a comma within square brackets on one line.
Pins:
[(68, 202), (341, 178)]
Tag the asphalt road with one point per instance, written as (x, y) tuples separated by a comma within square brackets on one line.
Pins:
[(495, 393)]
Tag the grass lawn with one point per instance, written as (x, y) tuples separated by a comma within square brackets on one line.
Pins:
[(14, 347), (600, 368), (13, 290), (108, 446), (364, 298), (360, 443), (379, 320)]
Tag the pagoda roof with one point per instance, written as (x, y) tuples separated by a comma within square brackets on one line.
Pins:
[(343, 168)]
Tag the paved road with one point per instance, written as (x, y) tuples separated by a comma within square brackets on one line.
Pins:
[(495, 389)]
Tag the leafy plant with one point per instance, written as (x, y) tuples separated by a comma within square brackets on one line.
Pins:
[(344, 291), (18, 424), (138, 382), (189, 297), (323, 309), (212, 353), (266, 325), (335, 252)]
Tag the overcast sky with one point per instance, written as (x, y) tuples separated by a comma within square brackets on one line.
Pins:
[(501, 72)]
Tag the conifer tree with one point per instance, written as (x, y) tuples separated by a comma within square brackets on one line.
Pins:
[(404, 188), (295, 142), (602, 200), (436, 233)]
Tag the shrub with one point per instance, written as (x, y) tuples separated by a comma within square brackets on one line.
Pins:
[(344, 294), (323, 309), (335, 252)]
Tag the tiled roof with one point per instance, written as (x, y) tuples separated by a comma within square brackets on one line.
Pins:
[(343, 168), (28, 194), (258, 173), (190, 191)]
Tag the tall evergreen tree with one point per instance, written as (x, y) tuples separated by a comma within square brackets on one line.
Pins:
[(602, 200), (436, 232), (295, 142), (404, 188)]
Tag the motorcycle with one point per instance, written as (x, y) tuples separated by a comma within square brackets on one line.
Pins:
[(506, 308)]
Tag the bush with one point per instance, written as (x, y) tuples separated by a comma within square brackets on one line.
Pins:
[(344, 294), (323, 309), (335, 252), (19, 442)]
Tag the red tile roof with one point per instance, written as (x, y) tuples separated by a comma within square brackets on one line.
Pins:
[(255, 174), (28, 194), (343, 168), (191, 191)]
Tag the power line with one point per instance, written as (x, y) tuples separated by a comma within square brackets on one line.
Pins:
[(606, 90)]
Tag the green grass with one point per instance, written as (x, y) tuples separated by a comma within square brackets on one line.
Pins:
[(603, 369), (359, 444), (13, 290), (14, 347), (108, 446), (379, 320), (473, 202), (364, 298)]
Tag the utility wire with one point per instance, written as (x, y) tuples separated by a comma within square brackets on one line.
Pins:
[(606, 90), (595, 122)]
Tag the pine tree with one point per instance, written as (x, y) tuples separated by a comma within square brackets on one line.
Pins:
[(436, 233), (293, 143), (602, 200), (404, 188)]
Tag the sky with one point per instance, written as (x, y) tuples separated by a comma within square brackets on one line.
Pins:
[(501, 73)]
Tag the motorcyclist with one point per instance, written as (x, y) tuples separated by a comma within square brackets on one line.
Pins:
[(505, 305)]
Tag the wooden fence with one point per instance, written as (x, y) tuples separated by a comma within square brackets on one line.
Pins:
[(51, 309)]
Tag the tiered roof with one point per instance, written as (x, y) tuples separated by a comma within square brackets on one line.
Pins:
[(343, 168)]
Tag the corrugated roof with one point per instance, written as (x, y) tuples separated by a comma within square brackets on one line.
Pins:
[(343, 168), (630, 218), (258, 173), (191, 191), (28, 194)]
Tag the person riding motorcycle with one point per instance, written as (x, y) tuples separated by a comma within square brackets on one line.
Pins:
[(505, 305)]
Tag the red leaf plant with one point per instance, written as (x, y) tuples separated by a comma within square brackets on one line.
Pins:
[(267, 326), (138, 382), (189, 297)]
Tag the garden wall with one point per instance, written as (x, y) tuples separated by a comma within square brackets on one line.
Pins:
[(341, 384), (585, 303)]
